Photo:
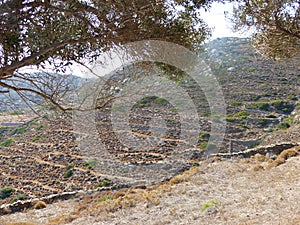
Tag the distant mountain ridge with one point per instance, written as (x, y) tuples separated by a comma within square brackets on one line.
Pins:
[(11, 100)]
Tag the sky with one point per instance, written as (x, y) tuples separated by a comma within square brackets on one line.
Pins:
[(215, 18)]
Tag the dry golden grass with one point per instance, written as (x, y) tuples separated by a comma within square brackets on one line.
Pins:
[(63, 219), (258, 168), (109, 202), (260, 158), (21, 223), (283, 156), (180, 198), (39, 205)]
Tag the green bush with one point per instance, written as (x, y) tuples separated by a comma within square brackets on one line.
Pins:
[(19, 197), (262, 105), (105, 198), (242, 114), (15, 113), (236, 103), (90, 164), (105, 183), (147, 101), (286, 123), (69, 171), (283, 106), (40, 127), (6, 192), (207, 146), (208, 204), (19, 130), (7, 142), (204, 135), (230, 119), (36, 138), (271, 116), (161, 101), (263, 122), (203, 145)]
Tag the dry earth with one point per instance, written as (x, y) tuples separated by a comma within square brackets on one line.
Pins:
[(232, 191)]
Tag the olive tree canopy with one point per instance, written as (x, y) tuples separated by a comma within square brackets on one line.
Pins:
[(276, 24), (61, 32)]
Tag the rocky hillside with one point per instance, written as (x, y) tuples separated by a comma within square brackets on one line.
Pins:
[(41, 157), (260, 94)]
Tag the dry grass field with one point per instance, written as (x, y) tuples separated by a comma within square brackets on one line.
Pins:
[(217, 192)]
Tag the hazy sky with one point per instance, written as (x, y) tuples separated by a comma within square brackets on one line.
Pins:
[(216, 18)]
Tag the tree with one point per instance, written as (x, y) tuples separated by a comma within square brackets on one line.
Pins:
[(276, 23), (61, 32)]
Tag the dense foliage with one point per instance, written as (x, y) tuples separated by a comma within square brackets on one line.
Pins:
[(276, 24), (59, 32)]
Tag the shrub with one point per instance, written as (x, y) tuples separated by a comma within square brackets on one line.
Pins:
[(7, 142), (230, 119), (283, 156), (263, 122), (90, 164), (262, 105), (147, 101), (286, 123), (271, 116), (69, 171), (207, 146), (204, 135), (19, 130), (19, 197), (161, 101), (282, 105), (105, 198), (15, 113), (203, 145), (236, 103), (208, 204), (40, 205), (40, 127), (6, 192), (105, 183), (36, 138), (242, 114)]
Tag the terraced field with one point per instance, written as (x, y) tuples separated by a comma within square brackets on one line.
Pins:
[(42, 157)]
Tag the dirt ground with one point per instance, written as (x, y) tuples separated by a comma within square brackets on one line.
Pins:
[(221, 192)]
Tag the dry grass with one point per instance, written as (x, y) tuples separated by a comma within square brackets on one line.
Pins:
[(110, 202), (283, 156), (243, 195), (39, 205), (21, 223)]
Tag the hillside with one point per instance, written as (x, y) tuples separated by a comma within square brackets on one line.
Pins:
[(40, 157)]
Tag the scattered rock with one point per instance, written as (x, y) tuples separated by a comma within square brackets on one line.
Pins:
[(212, 211)]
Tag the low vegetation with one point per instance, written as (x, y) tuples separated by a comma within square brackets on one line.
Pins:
[(19, 130), (286, 123), (7, 142), (209, 204), (242, 115), (19, 197), (69, 171), (283, 156), (6, 192), (90, 164)]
